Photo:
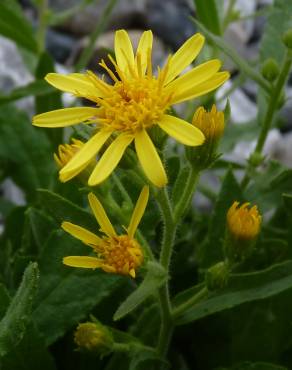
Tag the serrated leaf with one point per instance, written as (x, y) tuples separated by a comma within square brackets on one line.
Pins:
[(13, 324), (243, 288), (67, 294), (155, 277), (62, 209)]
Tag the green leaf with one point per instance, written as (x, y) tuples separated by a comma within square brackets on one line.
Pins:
[(13, 324), (288, 203), (155, 277), (14, 26), (67, 294), (278, 21), (37, 88), (61, 209), (230, 191), (269, 185), (243, 288), (29, 354), (25, 151), (4, 300), (254, 366), (207, 13)]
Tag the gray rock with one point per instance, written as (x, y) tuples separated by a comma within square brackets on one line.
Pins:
[(163, 17), (13, 72)]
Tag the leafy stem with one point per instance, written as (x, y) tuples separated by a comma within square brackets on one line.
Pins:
[(273, 104), (190, 303)]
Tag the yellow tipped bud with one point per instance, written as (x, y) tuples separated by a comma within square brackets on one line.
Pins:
[(217, 276), (243, 222), (212, 126), (67, 152), (243, 227), (93, 337), (210, 123)]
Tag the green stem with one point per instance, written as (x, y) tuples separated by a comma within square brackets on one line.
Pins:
[(268, 119), (41, 31), (166, 329), (187, 195), (100, 27), (178, 311)]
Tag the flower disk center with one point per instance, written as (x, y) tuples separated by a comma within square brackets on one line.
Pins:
[(134, 104), (121, 254)]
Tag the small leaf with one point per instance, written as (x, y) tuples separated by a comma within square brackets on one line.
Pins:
[(13, 324), (14, 26), (37, 88), (155, 277), (207, 13), (243, 288)]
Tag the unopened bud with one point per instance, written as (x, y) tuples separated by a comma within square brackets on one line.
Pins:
[(243, 227), (270, 69), (217, 276), (94, 337), (212, 126), (287, 38)]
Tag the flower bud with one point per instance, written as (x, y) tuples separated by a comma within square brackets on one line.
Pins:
[(212, 125), (65, 153), (217, 276), (94, 337), (287, 38), (270, 69), (243, 227)]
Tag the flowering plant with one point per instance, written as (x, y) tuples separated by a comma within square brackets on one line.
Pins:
[(140, 231)]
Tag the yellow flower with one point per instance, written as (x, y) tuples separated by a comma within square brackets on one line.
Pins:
[(243, 223), (117, 254), (135, 102), (210, 123), (65, 153), (93, 337)]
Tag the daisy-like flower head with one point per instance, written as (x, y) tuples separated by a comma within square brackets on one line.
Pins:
[(117, 254), (135, 101), (243, 222)]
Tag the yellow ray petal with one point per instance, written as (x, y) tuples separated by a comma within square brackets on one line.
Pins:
[(82, 261), (181, 130), (184, 56), (149, 159), (85, 154), (86, 236), (138, 211), (145, 44), (74, 83), (203, 88), (110, 159), (194, 77), (71, 174), (124, 51), (101, 215), (64, 117)]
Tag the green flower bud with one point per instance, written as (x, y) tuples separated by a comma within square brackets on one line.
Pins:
[(94, 337), (217, 276), (270, 69), (287, 38)]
